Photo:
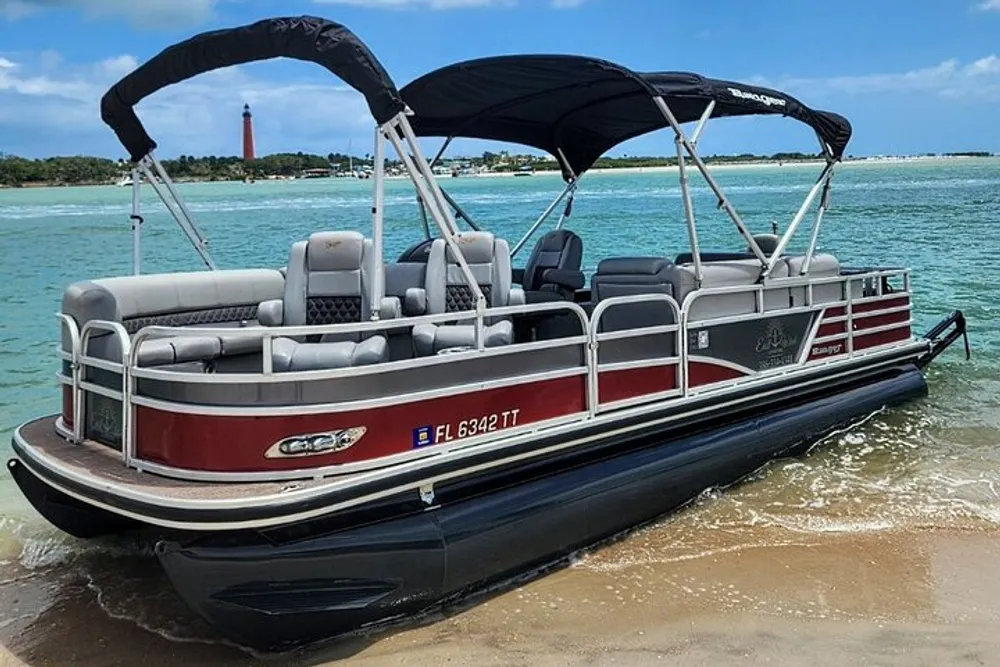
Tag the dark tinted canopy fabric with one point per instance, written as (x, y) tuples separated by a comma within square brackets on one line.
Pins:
[(583, 106), (687, 94), (304, 38)]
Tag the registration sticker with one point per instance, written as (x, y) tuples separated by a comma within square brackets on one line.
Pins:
[(423, 436)]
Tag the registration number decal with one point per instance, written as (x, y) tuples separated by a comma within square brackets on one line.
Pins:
[(433, 434)]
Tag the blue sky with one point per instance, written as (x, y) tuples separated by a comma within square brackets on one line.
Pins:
[(912, 75)]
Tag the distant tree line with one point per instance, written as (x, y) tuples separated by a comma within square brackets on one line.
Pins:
[(57, 170), (82, 170)]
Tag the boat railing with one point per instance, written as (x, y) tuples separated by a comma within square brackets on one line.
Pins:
[(853, 309), (843, 314), (674, 361), (84, 362), (268, 334)]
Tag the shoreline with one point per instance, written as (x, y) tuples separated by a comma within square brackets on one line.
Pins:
[(713, 166), (903, 596)]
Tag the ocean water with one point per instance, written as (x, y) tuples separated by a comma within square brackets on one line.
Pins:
[(934, 463)]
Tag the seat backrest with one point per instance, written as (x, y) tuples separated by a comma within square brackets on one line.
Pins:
[(729, 273), (488, 258), (558, 249), (328, 279), (823, 265), (627, 276)]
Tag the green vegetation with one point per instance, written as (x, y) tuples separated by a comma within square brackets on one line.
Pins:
[(57, 171), (82, 170)]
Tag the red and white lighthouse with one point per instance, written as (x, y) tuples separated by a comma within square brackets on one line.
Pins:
[(247, 133)]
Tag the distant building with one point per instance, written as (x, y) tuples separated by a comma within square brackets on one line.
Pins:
[(248, 153)]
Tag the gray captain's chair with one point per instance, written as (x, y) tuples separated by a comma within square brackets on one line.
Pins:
[(552, 272), (327, 282), (445, 290), (630, 276)]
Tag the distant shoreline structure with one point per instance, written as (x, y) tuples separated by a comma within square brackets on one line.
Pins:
[(18, 172)]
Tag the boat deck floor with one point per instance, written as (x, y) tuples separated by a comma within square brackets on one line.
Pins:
[(103, 466)]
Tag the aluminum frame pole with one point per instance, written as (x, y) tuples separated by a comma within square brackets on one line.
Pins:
[(441, 151), (567, 212), (696, 135), (688, 211), (426, 172), (460, 212), (545, 214), (565, 164), (165, 178), (423, 217), (136, 219), (378, 201), (726, 205), (814, 234), (418, 177), (799, 216), (184, 224)]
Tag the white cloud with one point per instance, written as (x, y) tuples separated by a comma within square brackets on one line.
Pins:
[(951, 78), (200, 116), (985, 66), (142, 13), (988, 6)]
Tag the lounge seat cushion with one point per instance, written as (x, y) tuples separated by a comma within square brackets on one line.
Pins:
[(291, 355), (178, 349), (430, 339)]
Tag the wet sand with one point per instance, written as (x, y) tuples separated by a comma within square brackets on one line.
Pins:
[(770, 596)]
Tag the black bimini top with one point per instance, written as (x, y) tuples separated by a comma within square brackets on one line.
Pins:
[(585, 106), (304, 38)]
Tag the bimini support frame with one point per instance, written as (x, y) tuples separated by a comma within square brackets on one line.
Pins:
[(397, 130), (136, 219), (723, 200), (150, 168), (821, 182), (686, 147), (572, 183), (378, 205), (566, 191)]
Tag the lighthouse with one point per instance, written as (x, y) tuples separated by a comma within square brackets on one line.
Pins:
[(247, 133)]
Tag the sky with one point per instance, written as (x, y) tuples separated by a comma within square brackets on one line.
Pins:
[(913, 76)]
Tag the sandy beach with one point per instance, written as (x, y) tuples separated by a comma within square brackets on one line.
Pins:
[(909, 597)]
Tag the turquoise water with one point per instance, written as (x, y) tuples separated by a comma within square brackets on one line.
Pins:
[(933, 462)]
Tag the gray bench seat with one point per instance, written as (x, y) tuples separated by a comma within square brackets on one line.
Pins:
[(167, 350), (192, 299)]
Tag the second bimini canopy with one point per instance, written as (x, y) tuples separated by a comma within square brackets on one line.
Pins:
[(583, 107), (307, 38)]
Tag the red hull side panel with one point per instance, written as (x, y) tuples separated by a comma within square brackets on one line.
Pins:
[(864, 341), (880, 320), (632, 382), (702, 373), (238, 443)]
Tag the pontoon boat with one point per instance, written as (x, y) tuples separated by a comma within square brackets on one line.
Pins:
[(345, 440)]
